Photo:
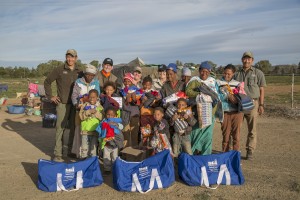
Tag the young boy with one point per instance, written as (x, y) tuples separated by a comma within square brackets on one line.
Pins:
[(161, 133), (111, 137), (183, 121), (90, 114)]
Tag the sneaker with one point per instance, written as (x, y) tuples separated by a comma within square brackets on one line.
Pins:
[(249, 155), (58, 159)]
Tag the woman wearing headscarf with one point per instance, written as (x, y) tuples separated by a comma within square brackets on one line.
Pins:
[(203, 88), (79, 96)]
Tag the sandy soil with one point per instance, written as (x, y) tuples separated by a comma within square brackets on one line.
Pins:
[(273, 174)]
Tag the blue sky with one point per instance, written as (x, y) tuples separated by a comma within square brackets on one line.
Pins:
[(164, 31)]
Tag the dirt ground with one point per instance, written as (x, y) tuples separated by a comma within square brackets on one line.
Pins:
[(273, 174)]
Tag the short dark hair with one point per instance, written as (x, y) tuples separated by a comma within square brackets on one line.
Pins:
[(230, 66), (183, 100), (160, 109), (147, 79), (111, 108), (94, 91), (110, 83)]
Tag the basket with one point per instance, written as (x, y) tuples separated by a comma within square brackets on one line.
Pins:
[(16, 109)]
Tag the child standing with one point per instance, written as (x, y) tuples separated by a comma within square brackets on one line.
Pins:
[(130, 111), (183, 121), (161, 133), (90, 114), (111, 137)]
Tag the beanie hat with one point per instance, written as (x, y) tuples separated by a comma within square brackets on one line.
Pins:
[(186, 71), (173, 67), (205, 65), (129, 76), (90, 69)]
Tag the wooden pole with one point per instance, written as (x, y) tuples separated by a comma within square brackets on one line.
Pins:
[(293, 91)]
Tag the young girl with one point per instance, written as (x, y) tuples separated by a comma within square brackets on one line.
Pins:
[(90, 114), (130, 111), (183, 121), (107, 98), (111, 137)]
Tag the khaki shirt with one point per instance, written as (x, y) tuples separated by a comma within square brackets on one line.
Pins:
[(253, 79)]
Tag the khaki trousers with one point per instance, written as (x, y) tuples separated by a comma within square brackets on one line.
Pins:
[(251, 119), (65, 115)]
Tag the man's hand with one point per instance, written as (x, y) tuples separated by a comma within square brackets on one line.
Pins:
[(261, 110), (55, 99)]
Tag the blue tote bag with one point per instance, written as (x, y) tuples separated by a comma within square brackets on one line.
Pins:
[(152, 173), (56, 176), (223, 168)]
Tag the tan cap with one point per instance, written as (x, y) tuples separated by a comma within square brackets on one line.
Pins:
[(72, 52), (137, 68), (248, 54)]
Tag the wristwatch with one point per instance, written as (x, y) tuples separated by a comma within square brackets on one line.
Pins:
[(262, 105)]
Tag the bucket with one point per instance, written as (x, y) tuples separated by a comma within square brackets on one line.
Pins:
[(16, 109)]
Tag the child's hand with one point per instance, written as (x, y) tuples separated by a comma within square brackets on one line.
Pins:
[(93, 111), (175, 116), (185, 116)]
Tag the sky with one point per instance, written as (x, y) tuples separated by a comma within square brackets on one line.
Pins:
[(157, 31)]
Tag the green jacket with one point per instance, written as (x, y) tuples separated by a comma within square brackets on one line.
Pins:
[(64, 79)]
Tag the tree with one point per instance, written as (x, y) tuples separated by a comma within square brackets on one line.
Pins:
[(213, 66), (178, 63), (95, 63), (264, 66)]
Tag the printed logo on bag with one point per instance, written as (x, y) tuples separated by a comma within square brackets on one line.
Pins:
[(69, 173), (213, 165), (144, 172)]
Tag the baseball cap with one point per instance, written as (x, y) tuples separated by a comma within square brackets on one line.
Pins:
[(172, 66), (205, 65), (138, 69), (186, 71), (248, 54), (162, 68), (71, 52), (108, 61)]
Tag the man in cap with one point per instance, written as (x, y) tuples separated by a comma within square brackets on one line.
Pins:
[(162, 77), (254, 81), (105, 74), (137, 74), (64, 76)]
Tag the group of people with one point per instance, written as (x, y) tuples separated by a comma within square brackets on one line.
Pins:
[(169, 112)]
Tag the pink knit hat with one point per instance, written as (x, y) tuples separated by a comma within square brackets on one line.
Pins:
[(129, 76)]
